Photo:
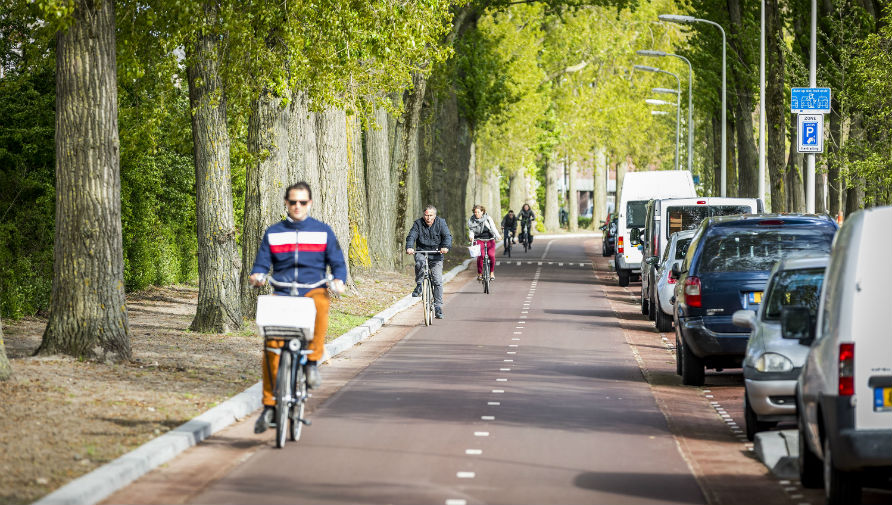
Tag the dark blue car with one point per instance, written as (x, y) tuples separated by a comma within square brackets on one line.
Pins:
[(725, 270)]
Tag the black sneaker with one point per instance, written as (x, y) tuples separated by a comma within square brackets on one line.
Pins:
[(265, 420), (314, 379), (417, 292), (438, 313)]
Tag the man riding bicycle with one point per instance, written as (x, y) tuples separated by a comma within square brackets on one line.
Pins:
[(430, 233), (527, 216), (298, 249), (509, 226)]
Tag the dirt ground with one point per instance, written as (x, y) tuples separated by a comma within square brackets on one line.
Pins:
[(61, 417)]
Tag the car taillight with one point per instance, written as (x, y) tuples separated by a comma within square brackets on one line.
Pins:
[(771, 222), (692, 292), (619, 245), (846, 369), (670, 279), (701, 202)]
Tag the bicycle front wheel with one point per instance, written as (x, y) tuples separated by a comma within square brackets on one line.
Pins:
[(297, 411), (427, 301), (486, 276), (283, 397)]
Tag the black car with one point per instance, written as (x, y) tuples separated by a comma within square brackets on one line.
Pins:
[(608, 243), (725, 270)]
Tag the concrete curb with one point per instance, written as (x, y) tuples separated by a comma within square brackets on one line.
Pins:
[(105, 480), (779, 451)]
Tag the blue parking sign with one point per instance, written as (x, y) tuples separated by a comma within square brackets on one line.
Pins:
[(811, 133)]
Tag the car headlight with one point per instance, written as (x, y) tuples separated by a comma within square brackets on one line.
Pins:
[(773, 362)]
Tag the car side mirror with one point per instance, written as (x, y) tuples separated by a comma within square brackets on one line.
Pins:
[(675, 272), (796, 324), (744, 318)]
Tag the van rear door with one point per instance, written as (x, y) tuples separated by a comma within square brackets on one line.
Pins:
[(871, 331)]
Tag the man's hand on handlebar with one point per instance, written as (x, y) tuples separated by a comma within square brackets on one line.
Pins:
[(410, 251), (337, 286), (443, 250), (257, 280)]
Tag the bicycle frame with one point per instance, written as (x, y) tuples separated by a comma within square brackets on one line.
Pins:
[(487, 268), (427, 295)]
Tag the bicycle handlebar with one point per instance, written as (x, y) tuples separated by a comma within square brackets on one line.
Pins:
[(429, 252), (275, 283)]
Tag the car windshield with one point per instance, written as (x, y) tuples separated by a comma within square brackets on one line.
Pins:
[(794, 288), (636, 214), (751, 249), (689, 217)]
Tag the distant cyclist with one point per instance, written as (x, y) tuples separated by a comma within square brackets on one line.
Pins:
[(481, 228), (527, 217), (298, 249), (509, 226), (430, 233)]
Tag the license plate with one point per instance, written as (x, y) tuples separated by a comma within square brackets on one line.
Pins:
[(754, 297), (882, 399)]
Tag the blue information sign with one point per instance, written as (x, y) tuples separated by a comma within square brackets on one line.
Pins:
[(810, 101)]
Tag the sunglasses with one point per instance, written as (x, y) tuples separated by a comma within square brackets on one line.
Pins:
[(303, 203)]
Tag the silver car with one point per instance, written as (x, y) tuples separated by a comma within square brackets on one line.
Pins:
[(772, 363), (674, 253)]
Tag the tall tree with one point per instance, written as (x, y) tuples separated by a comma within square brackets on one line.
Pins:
[(775, 112), (381, 190), (88, 312), (219, 307), (5, 368), (742, 70)]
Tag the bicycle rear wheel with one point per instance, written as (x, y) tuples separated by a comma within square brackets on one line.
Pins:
[(427, 301), (283, 397), (486, 275), (297, 411)]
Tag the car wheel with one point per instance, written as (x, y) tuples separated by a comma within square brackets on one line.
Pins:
[(644, 304), (810, 471), (623, 277), (693, 372), (651, 306), (662, 320), (840, 488), (753, 425), (678, 356)]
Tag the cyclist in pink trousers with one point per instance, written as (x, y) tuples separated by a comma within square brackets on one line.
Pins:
[(482, 229)]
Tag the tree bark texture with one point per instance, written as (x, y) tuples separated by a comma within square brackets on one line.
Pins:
[(265, 183), (747, 154), (405, 162), (219, 308), (732, 180), (357, 210), (5, 367), (621, 168), (793, 173), (573, 198), (330, 202), (303, 157), (552, 174), (717, 153), (381, 191), (775, 112), (495, 196), (517, 190), (599, 188), (88, 312), (447, 164), (836, 144)]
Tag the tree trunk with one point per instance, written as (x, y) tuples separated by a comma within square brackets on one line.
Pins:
[(747, 154), (796, 196), (405, 161), (834, 177), (552, 173), (517, 190), (218, 263), (88, 311), (303, 157), (775, 112), (732, 180), (330, 202), (358, 211), (573, 198), (381, 192), (854, 196), (265, 183), (495, 200), (599, 188), (717, 154), (621, 169), (5, 367)]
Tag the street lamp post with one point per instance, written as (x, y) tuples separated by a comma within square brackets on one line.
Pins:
[(675, 18), (646, 52), (645, 68)]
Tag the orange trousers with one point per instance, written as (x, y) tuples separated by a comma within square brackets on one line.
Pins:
[(317, 345)]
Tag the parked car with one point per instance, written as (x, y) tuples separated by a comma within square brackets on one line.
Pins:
[(844, 393), (771, 363), (669, 215), (725, 270), (674, 254), (637, 189), (608, 242)]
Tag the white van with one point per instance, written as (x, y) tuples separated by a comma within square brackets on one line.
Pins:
[(638, 189), (844, 392), (670, 215)]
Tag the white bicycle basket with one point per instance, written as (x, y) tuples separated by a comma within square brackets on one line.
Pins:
[(286, 316)]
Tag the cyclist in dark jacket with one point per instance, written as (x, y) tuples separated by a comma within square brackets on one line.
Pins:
[(509, 225), (430, 233), (527, 216)]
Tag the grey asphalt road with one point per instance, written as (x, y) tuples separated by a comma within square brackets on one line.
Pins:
[(527, 395)]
